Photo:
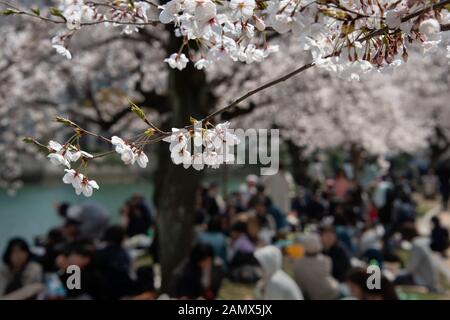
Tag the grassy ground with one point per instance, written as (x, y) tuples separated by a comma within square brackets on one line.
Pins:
[(236, 291), (424, 205)]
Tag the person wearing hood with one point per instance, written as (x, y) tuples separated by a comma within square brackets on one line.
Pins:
[(313, 271), (421, 268), (275, 283)]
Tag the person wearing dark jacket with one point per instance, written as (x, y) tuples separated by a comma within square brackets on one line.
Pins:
[(198, 277), (443, 173), (439, 237), (332, 248), (137, 216), (357, 283), (114, 264), (92, 285)]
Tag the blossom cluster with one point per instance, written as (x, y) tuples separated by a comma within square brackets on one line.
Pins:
[(76, 13), (66, 154), (129, 153), (342, 36), (210, 147), (226, 30), (349, 38), (80, 182)]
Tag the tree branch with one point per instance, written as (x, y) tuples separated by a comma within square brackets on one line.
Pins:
[(261, 88), (445, 27), (35, 16), (381, 31)]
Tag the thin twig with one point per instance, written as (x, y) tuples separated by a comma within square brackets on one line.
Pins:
[(101, 155)]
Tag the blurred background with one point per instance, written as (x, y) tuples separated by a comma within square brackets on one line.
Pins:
[(364, 177)]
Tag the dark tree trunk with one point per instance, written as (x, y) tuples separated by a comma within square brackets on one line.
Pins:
[(439, 145), (299, 164), (189, 95)]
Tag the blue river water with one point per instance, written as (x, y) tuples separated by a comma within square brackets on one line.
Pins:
[(30, 212)]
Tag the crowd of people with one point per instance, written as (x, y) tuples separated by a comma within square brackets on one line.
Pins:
[(290, 242)]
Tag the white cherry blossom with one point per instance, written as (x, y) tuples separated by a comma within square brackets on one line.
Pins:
[(73, 177), (243, 8), (142, 159), (177, 61), (86, 187), (181, 157), (58, 159)]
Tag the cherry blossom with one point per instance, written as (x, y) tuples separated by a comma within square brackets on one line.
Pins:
[(211, 146), (202, 64), (431, 29), (142, 159), (394, 17), (178, 61), (81, 183), (60, 155), (243, 8), (58, 159), (129, 154), (169, 11), (126, 152), (73, 177), (86, 187), (58, 43)]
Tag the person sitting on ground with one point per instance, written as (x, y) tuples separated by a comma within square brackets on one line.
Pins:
[(439, 237), (213, 202), (215, 237), (53, 244), (241, 261), (313, 271), (20, 277), (370, 244), (332, 248), (137, 216), (198, 277), (248, 190), (145, 288), (420, 269), (70, 230), (357, 282), (92, 216), (81, 254), (341, 185), (267, 224), (275, 283), (114, 264)]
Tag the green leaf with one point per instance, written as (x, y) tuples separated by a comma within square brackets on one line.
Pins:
[(28, 140), (56, 12), (41, 147), (137, 111), (261, 5), (36, 11), (64, 121), (193, 120), (8, 12), (149, 132)]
